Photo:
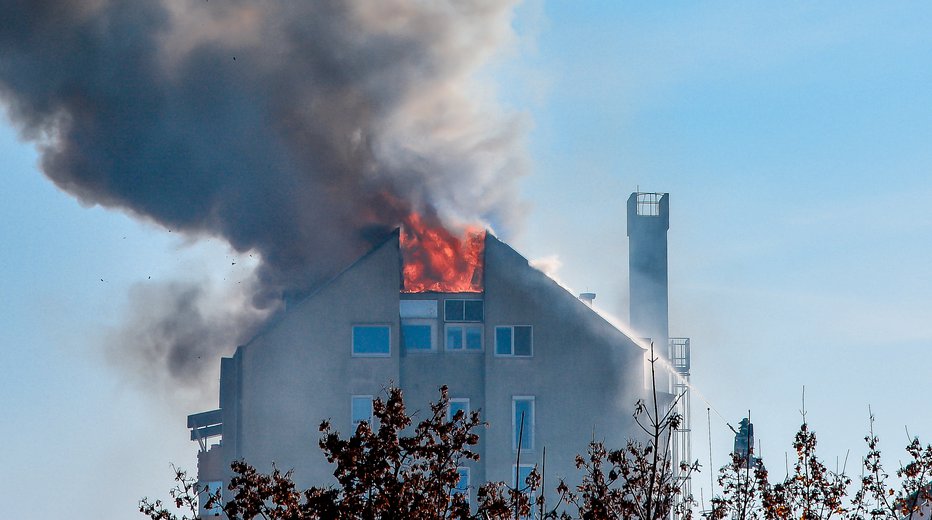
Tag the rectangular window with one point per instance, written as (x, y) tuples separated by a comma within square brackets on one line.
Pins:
[(457, 404), (417, 308), (514, 341), (462, 486), (211, 488), (521, 473), (473, 310), (463, 310), (371, 340), (464, 337), (417, 335), (522, 422), (361, 410)]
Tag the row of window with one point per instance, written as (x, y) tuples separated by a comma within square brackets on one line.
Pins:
[(453, 310), (521, 473), (361, 408), (418, 336), (523, 425), (522, 416)]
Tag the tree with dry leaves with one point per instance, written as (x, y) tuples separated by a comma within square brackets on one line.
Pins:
[(395, 469), (382, 473), (639, 481), (385, 473), (811, 491)]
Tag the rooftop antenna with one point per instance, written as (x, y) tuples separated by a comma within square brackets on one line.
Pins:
[(803, 411), (711, 473)]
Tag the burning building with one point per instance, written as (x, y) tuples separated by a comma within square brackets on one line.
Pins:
[(419, 311)]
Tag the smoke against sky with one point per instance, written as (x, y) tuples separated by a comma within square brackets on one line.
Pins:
[(181, 326), (303, 131), (793, 138)]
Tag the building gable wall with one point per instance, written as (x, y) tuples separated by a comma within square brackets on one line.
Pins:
[(302, 371), (584, 374)]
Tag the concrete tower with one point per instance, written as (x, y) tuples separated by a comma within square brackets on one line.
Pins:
[(648, 222)]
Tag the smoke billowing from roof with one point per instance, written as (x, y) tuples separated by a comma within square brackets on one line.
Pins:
[(300, 130)]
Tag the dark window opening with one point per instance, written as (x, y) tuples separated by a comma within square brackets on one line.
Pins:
[(463, 310)]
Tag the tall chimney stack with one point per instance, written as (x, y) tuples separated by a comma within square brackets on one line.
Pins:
[(648, 222)]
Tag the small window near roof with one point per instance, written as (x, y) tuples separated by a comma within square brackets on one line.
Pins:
[(417, 308), (463, 310), (473, 310)]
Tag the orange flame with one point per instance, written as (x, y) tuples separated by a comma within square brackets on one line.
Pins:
[(435, 260)]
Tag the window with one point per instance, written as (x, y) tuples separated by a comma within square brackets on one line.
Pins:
[(462, 310), (522, 422), (211, 488), (417, 335), (361, 410), (417, 309), (457, 404), (462, 337), (521, 473), (371, 340), (513, 341), (462, 486)]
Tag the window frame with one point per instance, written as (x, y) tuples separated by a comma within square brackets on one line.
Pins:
[(462, 319), (353, 398), (515, 472), (511, 351), (464, 325), (467, 408), (370, 326), (211, 487), (457, 490), (432, 323), (514, 422), (418, 308)]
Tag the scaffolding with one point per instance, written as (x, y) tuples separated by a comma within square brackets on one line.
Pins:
[(679, 387)]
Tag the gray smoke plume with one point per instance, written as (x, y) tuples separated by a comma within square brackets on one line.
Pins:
[(174, 331), (300, 130)]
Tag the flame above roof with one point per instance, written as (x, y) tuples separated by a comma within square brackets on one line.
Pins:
[(436, 260)]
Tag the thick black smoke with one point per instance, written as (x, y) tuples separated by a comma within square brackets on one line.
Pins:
[(300, 130)]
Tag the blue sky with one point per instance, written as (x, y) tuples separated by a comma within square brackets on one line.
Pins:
[(793, 140), (792, 137)]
